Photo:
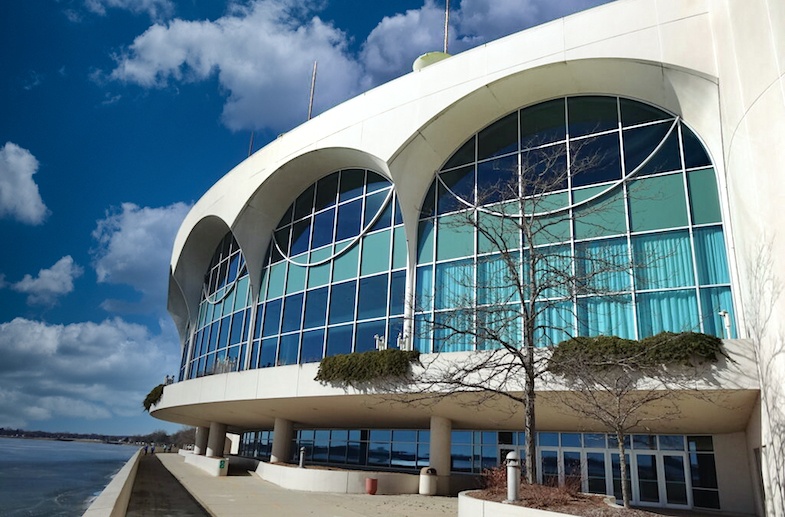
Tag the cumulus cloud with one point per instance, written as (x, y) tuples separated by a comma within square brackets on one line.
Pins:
[(19, 197), (262, 52), (134, 245), (156, 9), (50, 283), (82, 370)]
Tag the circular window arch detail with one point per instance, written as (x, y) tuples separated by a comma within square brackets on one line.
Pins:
[(219, 342), (612, 203), (334, 277)]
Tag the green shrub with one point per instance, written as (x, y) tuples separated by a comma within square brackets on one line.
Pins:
[(666, 348), (154, 397), (366, 367)]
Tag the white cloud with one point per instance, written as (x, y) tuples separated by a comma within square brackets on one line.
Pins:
[(83, 370), (134, 248), (395, 43), (19, 197), (50, 283), (156, 9), (262, 54)]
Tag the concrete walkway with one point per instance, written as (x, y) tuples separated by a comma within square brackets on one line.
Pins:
[(249, 495), (156, 492)]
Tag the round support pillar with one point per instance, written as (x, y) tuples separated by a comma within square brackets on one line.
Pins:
[(440, 452), (217, 439), (201, 440), (282, 441)]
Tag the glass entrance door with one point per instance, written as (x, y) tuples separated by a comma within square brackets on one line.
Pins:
[(674, 467)]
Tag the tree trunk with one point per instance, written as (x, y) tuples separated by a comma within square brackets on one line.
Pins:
[(625, 496), (531, 438)]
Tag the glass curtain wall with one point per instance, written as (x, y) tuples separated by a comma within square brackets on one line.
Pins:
[(220, 341), (602, 213), (334, 278)]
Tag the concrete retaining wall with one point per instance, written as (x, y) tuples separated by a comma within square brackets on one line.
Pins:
[(215, 466), (113, 500), (468, 506), (337, 481)]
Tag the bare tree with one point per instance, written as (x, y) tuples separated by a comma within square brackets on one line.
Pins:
[(764, 289), (520, 294), (622, 384)]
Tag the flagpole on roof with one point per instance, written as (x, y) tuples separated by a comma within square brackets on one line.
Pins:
[(446, 24), (313, 87)]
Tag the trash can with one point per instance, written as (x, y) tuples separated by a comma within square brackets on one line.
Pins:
[(371, 485), (428, 481)]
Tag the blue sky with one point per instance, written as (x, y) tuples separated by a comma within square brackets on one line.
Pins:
[(116, 116)]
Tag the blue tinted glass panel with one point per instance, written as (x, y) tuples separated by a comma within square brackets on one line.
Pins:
[(595, 160), (671, 311), (326, 190), (497, 180), (292, 312), (455, 190), (640, 145), (315, 308), (462, 156), (385, 218), (694, 152), (710, 255), (373, 204), (499, 138), (289, 349), (349, 218), (223, 339), (428, 207), (313, 343), (634, 112), (323, 228), (366, 335), (267, 356), (543, 124), (596, 440), (342, 302), (398, 292), (339, 340), (304, 203), (236, 334), (374, 182), (351, 184), (544, 169), (282, 238), (373, 297), (591, 115), (394, 332), (663, 260), (713, 301)]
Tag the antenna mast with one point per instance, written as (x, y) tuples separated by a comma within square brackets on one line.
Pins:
[(250, 145), (313, 88), (446, 24)]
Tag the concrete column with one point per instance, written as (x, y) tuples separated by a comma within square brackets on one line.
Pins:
[(440, 452), (216, 440), (282, 440), (201, 440)]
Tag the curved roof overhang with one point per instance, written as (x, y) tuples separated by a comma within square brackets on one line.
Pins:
[(407, 128)]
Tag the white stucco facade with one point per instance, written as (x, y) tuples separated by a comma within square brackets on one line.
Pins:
[(717, 64)]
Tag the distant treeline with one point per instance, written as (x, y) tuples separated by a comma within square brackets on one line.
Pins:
[(184, 436)]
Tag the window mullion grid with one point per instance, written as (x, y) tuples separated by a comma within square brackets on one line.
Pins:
[(628, 237), (690, 229)]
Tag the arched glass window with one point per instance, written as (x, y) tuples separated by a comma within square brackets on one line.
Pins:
[(220, 341), (334, 278), (591, 214)]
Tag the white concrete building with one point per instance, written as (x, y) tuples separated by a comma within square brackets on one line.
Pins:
[(313, 245)]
